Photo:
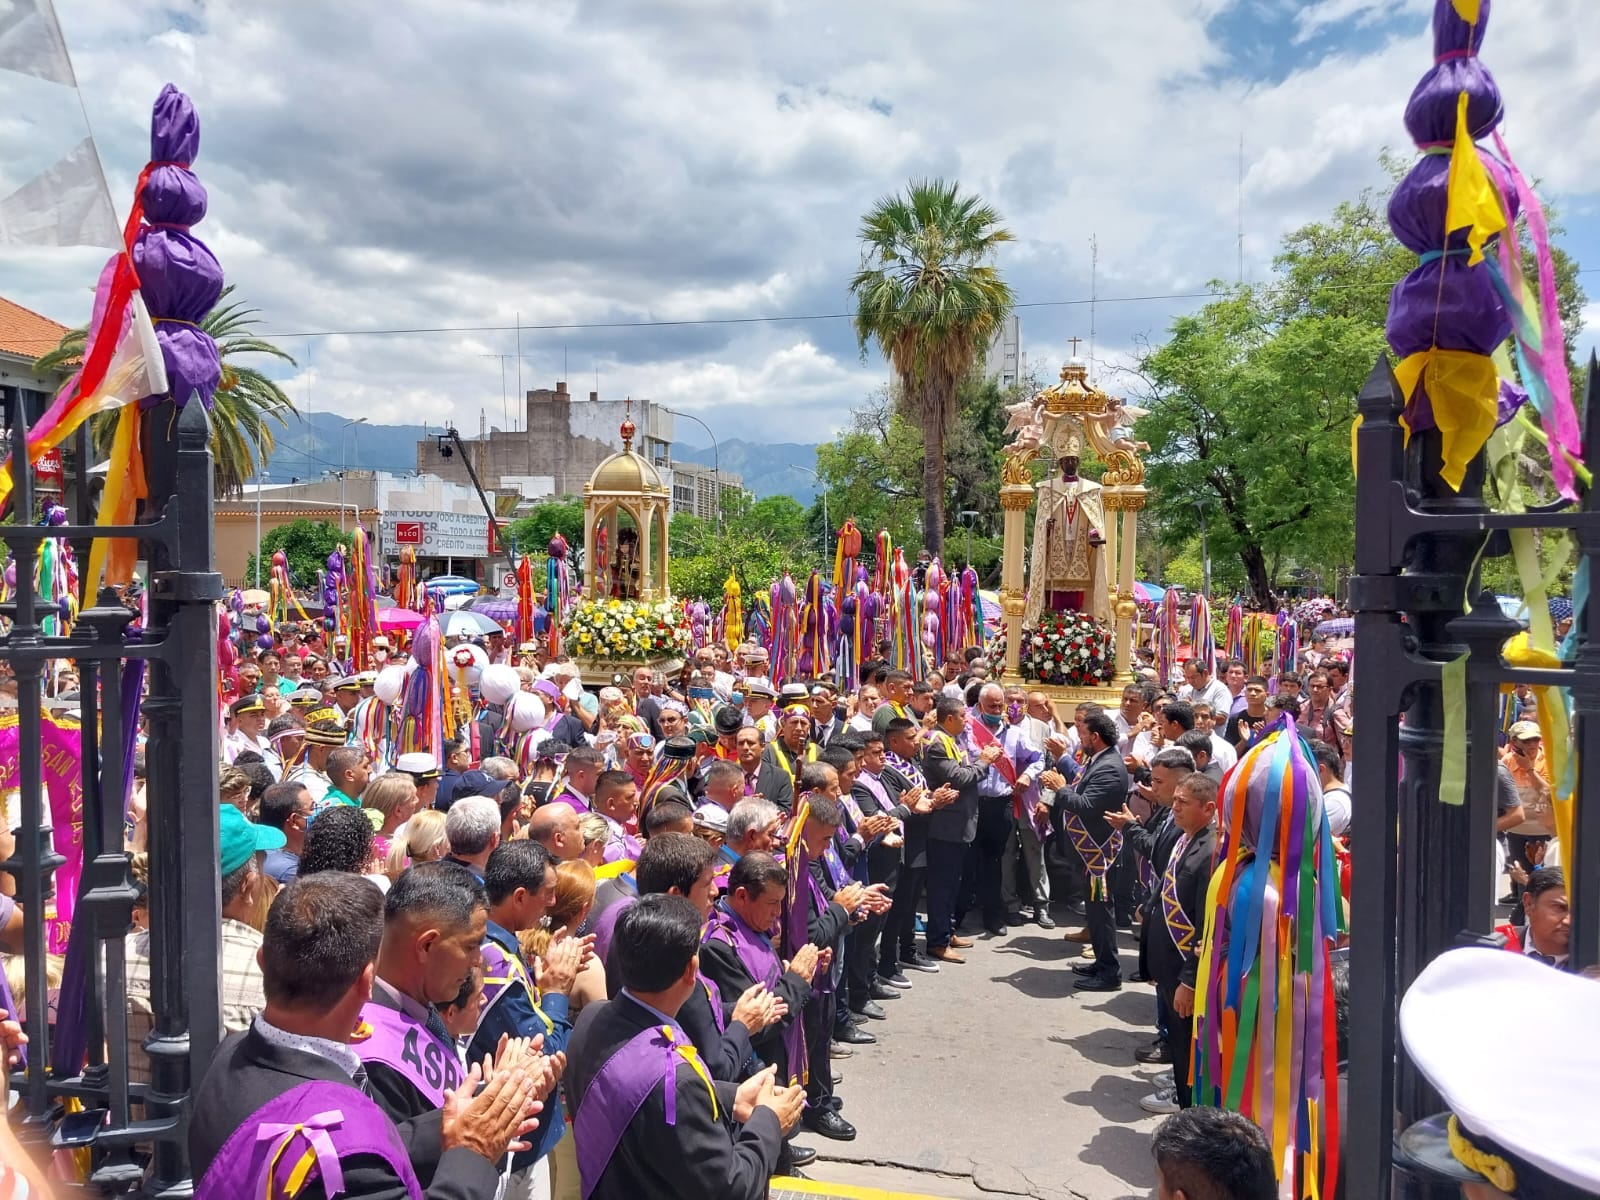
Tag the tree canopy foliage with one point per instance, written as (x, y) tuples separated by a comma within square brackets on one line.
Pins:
[(533, 532), (759, 541), (305, 543), (1252, 399)]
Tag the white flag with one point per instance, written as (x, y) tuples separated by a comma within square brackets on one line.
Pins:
[(31, 41), (68, 205)]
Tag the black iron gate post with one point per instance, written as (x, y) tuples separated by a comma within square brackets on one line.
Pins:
[(184, 591), (1422, 874), (178, 644)]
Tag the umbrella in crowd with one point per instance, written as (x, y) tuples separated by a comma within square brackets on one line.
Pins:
[(500, 609), (399, 618), (464, 622)]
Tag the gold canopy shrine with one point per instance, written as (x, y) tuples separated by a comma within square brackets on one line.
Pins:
[(1080, 555)]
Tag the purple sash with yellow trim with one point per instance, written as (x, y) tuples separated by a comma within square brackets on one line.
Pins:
[(762, 962), (1097, 859), (502, 970), (614, 1096), (300, 1136), (404, 1044), (1179, 926)]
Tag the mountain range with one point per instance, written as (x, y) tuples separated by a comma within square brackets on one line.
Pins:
[(320, 443)]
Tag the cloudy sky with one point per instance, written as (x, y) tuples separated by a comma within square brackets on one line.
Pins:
[(656, 165)]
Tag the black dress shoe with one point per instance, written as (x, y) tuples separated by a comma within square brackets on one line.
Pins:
[(1087, 968), (855, 1037), (801, 1156), (1075, 907), (1125, 923), (1099, 983), (1155, 1052), (1043, 919), (829, 1124), (883, 991), (1016, 918), (1139, 977), (870, 1009)]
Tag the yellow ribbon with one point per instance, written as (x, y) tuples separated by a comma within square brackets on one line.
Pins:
[(690, 1055), (1553, 729), (1472, 203), (1467, 10)]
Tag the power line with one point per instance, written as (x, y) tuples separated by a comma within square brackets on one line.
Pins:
[(519, 328)]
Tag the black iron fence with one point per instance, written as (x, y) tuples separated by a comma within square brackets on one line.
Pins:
[(134, 1135), (1423, 870)]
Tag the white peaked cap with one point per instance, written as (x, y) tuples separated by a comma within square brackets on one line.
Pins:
[(1451, 1022)]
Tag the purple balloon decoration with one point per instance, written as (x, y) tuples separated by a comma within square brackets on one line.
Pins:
[(263, 623), (264, 642), (1442, 302), (179, 277)]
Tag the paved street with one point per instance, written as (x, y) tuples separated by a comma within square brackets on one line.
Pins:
[(988, 1078)]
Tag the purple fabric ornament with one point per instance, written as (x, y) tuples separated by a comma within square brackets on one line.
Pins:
[(1443, 302), (179, 277)]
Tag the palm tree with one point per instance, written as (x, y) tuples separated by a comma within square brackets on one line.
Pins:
[(245, 408), (929, 295)]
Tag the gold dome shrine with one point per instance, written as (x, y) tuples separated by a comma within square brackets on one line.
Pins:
[(626, 507)]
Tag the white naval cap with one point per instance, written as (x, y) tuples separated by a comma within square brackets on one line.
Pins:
[(1538, 1113)]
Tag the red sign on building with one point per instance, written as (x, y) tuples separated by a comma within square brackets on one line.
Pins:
[(408, 533), (49, 470)]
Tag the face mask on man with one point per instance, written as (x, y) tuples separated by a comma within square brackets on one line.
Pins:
[(1013, 712), (992, 720)]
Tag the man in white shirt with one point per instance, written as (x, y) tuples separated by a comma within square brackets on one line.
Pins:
[(1205, 719), (1203, 686), (249, 715), (1335, 796)]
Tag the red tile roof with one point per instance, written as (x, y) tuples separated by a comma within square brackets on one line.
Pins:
[(24, 332)]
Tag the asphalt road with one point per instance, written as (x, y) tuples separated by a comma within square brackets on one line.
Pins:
[(991, 1079)]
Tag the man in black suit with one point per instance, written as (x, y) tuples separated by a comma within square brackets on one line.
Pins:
[(724, 1140), (1101, 788), (1175, 943), (321, 937), (951, 829), (1152, 840)]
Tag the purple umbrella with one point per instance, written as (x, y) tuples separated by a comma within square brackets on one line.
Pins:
[(496, 608)]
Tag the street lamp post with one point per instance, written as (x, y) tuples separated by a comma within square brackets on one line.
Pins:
[(1200, 507), (968, 516), (716, 454), (342, 460), (261, 478)]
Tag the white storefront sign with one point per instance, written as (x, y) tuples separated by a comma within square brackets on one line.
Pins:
[(436, 534)]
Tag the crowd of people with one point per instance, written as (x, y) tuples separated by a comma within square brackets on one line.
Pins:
[(625, 956)]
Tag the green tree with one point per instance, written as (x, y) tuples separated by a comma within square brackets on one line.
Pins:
[(759, 542), (873, 472), (305, 543), (1252, 399), (928, 294), (247, 405), (533, 532)]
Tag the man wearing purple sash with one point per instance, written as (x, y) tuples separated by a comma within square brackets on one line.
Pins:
[(720, 1026), (581, 771), (1176, 941), (616, 798), (880, 796), (737, 953), (649, 1120), (821, 912), (902, 773), (434, 919), (280, 1113)]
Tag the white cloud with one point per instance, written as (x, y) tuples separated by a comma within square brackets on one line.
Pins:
[(405, 165)]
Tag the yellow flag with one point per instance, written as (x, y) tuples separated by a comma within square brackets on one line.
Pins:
[(1464, 391), (1467, 10), (1471, 202)]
